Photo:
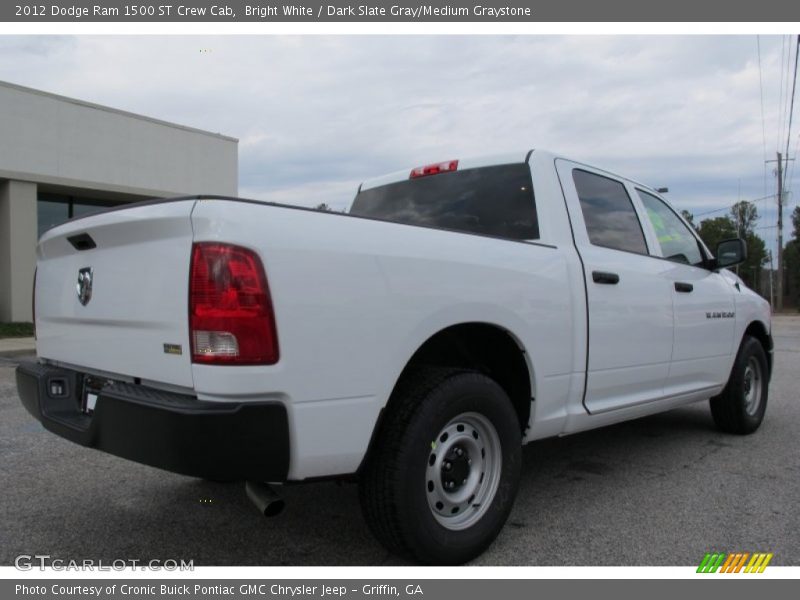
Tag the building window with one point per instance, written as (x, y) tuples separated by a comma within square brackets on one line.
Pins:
[(55, 209), (51, 211)]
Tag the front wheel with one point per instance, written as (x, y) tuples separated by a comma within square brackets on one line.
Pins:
[(741, 406), (441, 480)]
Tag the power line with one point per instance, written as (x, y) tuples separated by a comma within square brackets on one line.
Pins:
[(790, 177), (782, 180), (787, 176), (791, 102), (785, 93), (780, 96), (728, 208), (763, 120)]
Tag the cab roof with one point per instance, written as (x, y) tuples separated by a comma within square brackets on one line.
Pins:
[(488, 161)]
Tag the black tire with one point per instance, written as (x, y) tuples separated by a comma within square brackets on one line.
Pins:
[(395, 482), (741, 405)]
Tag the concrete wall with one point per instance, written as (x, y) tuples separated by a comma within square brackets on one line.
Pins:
[(17, 249), (51, 139)]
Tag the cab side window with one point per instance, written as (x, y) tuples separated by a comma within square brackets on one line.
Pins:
[(607, 209), (676, 241)]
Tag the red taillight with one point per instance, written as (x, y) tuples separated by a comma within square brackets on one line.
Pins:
[(231, 320), (434, 169)]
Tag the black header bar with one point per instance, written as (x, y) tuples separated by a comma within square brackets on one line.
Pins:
[(315, 11)]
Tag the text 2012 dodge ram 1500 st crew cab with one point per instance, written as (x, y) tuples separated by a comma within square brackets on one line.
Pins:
[(459, 311)]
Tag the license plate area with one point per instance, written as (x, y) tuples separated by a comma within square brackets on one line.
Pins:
[(89, 402), (92, 386)]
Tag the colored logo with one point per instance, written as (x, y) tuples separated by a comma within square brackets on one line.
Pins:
[(737, 562)]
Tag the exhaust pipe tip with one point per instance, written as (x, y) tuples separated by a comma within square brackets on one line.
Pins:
[(264, 498), (274, 508)]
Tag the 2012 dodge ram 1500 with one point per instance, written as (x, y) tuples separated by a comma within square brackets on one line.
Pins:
[(457, 312)]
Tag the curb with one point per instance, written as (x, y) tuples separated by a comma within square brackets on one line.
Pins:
[(10, 347), (17, 353)]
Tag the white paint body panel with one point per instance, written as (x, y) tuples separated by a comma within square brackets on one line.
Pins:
[(355, 298)]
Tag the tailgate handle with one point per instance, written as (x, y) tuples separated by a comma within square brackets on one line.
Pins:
[(603, 277), (81, 242)]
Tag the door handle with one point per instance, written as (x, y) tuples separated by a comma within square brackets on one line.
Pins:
[(603, 277), (680, 286)]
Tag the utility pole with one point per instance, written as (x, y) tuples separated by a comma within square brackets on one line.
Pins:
[(771, 277), (780, 233), (779, 298)]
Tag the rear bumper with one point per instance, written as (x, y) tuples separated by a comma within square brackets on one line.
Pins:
[(213, 440)]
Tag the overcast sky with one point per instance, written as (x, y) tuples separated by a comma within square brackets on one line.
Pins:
[(317, 115)]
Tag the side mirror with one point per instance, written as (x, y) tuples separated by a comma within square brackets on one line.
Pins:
[(731, 252)]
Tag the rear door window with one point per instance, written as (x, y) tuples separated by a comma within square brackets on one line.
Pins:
[(611, 220), (496, 201)]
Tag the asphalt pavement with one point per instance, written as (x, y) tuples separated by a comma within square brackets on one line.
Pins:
[(657, 491)]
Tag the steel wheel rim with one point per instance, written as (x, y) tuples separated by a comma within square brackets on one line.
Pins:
[(461, 493), (752, 386)]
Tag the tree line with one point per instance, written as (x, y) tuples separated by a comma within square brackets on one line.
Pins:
[(791, 258), (741, 222)]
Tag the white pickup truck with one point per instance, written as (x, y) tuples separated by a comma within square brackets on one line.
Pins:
[(458, 311)]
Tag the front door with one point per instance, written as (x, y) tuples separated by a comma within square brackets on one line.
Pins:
[(704, 304)]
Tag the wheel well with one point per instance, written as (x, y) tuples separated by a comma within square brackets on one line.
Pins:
[(485, 348), (758, 330)]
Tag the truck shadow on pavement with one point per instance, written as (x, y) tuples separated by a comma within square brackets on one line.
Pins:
[(91, 505)]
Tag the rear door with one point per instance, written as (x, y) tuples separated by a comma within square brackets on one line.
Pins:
[(703, 303), (629, 299)]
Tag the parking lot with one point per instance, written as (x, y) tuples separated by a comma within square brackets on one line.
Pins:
[(657, 491)]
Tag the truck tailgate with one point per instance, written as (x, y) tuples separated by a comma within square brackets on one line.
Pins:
[(135, 263)]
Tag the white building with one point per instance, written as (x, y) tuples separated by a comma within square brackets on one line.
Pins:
[(61, 158)]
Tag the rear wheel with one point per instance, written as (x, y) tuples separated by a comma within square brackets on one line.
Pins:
[(441, 480), (741, 406)]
